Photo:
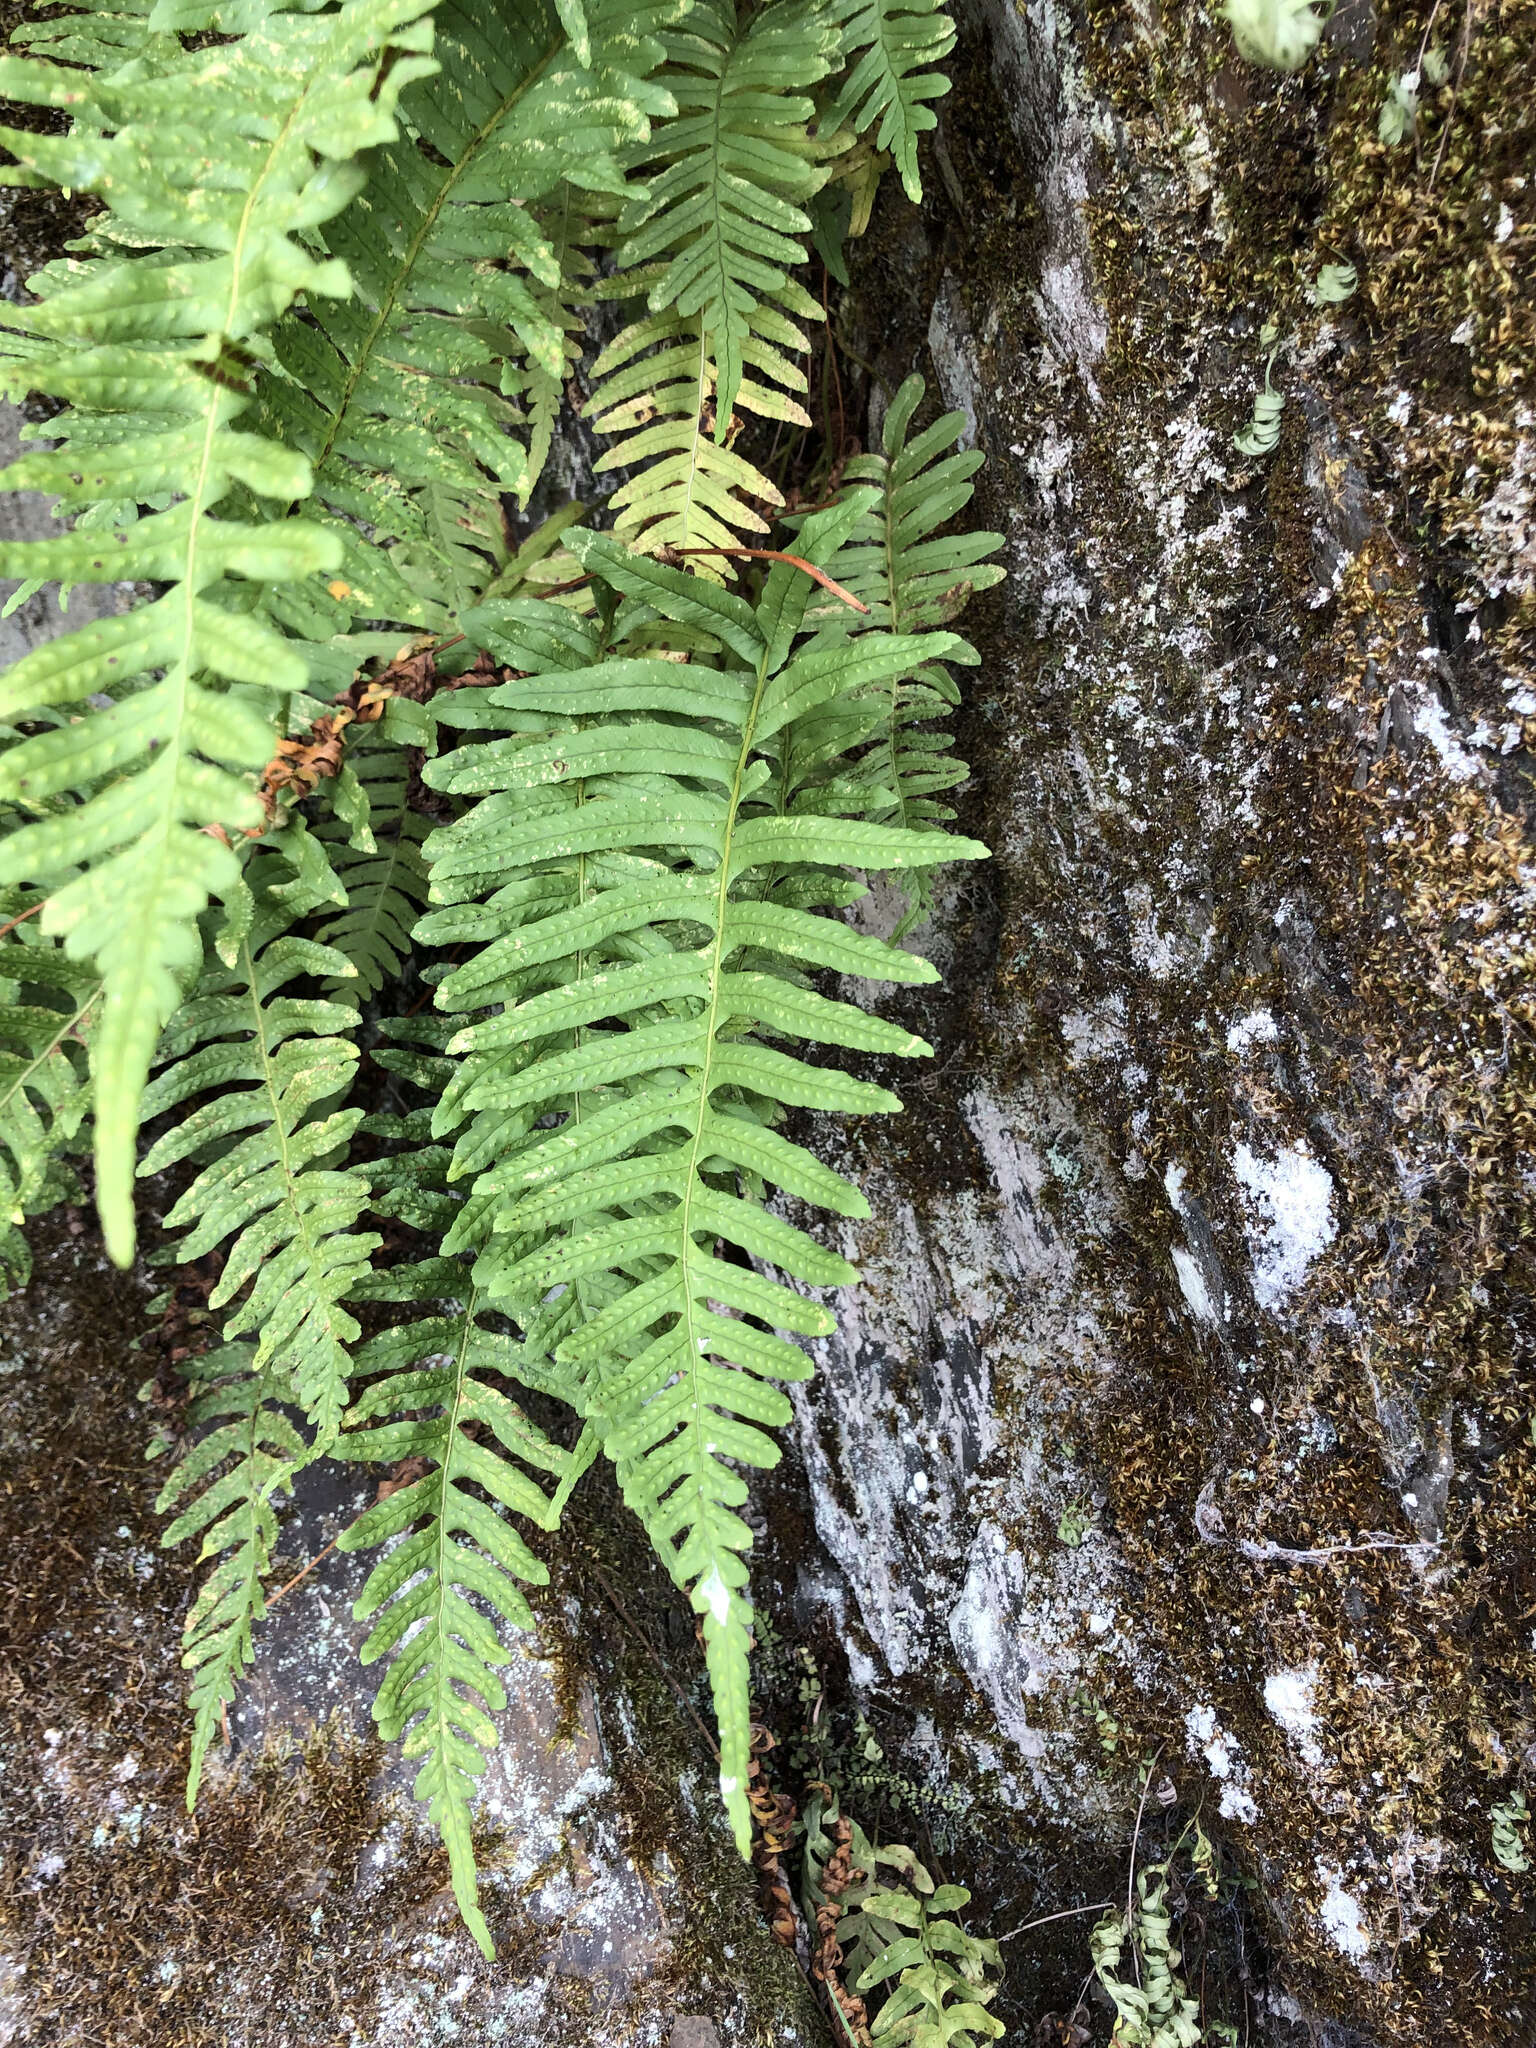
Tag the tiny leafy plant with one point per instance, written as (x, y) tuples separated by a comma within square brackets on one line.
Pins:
[(1511, 1820), (439, 909), (898, 1966)]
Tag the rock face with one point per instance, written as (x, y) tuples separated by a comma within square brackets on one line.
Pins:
[(1187, 1392), (1183, 1414)]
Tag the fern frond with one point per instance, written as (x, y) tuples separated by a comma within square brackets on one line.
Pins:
[(454, 1560), (380, 867), (893, 43), (266, 1071), (47, 1002), (247, 1456), (227, 155), (713, 239), (913, 577), (636, 871), (405, 398), (909, 574)]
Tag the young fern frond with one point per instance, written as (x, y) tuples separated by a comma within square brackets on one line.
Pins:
[(154, 351), (645, 865), (890, 42), (267, 1070), (246, 1457), (47, 1002), (455, 1557), (713, 239), (403, 397)]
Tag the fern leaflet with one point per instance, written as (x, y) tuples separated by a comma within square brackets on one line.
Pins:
[(713, 239), (248, 1456), (913, 577), (453, 1560), (888, 83), (646, 864)]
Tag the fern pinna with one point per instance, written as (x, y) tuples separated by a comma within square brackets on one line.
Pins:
[(575, 910)]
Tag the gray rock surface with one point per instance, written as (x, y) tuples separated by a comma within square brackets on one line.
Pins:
[(1185, 1393)]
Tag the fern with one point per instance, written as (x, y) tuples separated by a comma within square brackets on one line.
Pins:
[(901, 1929), (645, 873), (46, 1003), (263, 1065), (912, 577), (453, 1561), (379, 863), (247, 1456), (153, 350), (891, 41), (713, 239), (338, 277), (402, 397)]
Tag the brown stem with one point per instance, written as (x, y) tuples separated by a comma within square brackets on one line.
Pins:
[(316, 1559), (795, 562), (4, 928)]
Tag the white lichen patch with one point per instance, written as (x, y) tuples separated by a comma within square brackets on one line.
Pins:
[(1224, 1759), (1342, 1915), (1288, 1699), (1431, 723), (1292, 1197), (1257, 1028)]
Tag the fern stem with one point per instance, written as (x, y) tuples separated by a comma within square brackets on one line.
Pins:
[(794, 561), (4, 928)]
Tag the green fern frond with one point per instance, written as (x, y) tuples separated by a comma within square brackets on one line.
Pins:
[(380, 867), (454, 1560), (246, 1457), (908, 573), (405, 398), (713, 239), (154, 353), (635, 872), (891, 82), (47, 1002), (913, 577), (267, 1077), (721, 213)]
